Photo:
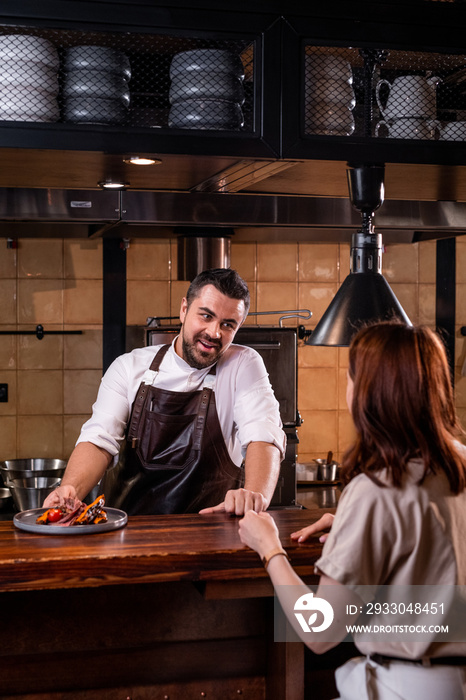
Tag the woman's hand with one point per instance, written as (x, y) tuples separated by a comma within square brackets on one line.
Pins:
[(259, 531), (324, 523)]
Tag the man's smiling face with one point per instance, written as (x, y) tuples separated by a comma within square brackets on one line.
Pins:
[(209, 326)]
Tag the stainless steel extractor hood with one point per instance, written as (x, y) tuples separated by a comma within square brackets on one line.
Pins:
[(253, 217), (365, 295), (49, 212)]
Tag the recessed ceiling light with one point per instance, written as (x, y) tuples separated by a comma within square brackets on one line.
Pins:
[(141, 160), (110, 184)]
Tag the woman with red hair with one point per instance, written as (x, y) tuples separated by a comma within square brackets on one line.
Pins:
[(400, 525)]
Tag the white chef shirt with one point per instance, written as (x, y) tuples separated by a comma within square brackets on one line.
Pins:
[(246, 406)]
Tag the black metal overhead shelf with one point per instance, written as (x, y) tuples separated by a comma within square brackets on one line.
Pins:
[(114, 87)]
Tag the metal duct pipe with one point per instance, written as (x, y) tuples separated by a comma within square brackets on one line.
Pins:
[(201, 251)]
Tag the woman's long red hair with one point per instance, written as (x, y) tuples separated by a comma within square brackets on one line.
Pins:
[(403, 405)]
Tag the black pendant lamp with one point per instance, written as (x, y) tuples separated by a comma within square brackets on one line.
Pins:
[(365, 295)]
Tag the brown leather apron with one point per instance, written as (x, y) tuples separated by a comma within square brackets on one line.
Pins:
[(176, 460)]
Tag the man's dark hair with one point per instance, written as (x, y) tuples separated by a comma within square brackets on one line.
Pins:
[(226, 280)]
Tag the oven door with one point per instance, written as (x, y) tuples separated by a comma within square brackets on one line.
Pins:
[(278, 349)]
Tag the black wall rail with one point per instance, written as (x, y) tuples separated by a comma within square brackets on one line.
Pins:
[(39, 332)]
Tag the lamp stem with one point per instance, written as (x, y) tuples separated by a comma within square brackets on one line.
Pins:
[(366, 225)]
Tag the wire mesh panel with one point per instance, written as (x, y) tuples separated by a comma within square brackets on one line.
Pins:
[(206, 90), (384, 93), (329, 95), (136, 80)]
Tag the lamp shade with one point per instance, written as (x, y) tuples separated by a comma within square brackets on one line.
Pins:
[(362, 298)]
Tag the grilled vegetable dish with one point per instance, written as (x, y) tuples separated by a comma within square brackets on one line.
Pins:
[(74, 512)]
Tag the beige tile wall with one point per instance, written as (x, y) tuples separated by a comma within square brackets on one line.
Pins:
[(51, 382), (58, 283)]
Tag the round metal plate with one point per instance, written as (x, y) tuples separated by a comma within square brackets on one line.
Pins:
[(26, 520)]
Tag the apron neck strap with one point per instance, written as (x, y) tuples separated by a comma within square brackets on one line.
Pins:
[(156, 362)]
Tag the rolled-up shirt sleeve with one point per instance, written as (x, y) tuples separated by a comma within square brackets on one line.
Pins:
[(256, 409), (111, 410)]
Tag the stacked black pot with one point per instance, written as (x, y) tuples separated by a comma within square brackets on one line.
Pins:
[(206, 90), (96, 85)]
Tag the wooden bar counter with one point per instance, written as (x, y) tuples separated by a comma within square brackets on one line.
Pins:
[(170, 607)]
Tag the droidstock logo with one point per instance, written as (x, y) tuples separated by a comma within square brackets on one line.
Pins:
[(309, 602)]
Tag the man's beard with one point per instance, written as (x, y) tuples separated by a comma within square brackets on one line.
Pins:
[(194, 356)]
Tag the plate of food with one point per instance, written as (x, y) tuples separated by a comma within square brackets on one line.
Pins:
[(72, 517)]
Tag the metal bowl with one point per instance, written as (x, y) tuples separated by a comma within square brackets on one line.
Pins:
[(11, 474), (35, 482), (31, 493), (28, 468), (36, 464)]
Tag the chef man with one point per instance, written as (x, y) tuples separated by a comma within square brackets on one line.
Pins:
[(189, 427)]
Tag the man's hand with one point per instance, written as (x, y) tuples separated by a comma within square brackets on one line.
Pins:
[(238, 502), (57, 497), (324, 523), (84, 470)]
